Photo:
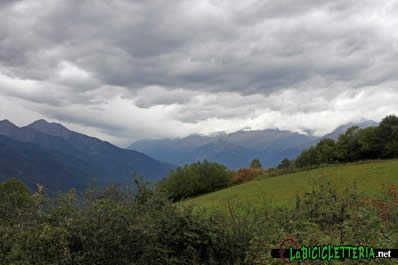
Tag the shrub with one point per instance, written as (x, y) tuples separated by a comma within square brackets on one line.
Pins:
[(143, 227), (195, 179), (246, 174)]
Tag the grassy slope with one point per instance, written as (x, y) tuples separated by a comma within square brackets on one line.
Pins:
[(282, 190)]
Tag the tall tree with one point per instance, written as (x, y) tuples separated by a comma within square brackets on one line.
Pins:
[(285, 163), (307, 158), (370, 144), (387, 134), (326, 150), (348, 147), (255, 163)]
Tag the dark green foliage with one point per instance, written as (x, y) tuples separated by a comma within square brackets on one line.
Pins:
[(348, 147), (388, 135), (355, 144), (325, 152), (326, 149), (195, 179), (112, 226), (140, 226), (285, 163), (308, 158), (15, 201), (370, 142), (255, 163), (392, 145)]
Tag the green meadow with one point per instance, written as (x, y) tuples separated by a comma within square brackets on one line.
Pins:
[(282, 190)]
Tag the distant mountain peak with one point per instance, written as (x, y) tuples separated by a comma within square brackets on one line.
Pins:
[(7, 126), (41, 121), (51, 128), (7, 123), (46, 125), (218, 134)]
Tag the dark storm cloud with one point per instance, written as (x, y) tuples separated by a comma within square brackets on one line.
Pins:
[(182, 53), (136, 44), (7, 3)]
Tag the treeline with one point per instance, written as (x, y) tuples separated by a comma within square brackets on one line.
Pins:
[(140, 226), (355, 144), (204, 177)]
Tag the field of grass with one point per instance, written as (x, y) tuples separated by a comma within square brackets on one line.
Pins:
[(282, 190)]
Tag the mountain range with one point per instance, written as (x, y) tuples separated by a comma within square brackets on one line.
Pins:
[(61, 159), (236, 150)]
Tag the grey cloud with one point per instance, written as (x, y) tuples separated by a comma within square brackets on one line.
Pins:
[(137, 44), (151, 96), (194, 50), (7, 3), (83, 120)]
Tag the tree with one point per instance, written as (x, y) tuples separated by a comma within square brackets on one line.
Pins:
[(392, 145), (255, 163), (326, 149), (387, 135), (308, 158), (285, 163), (370, 144), (16, 201), (348, 147)]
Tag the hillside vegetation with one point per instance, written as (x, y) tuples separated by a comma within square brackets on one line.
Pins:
[(354, 145), (140, 226), (282, 190)]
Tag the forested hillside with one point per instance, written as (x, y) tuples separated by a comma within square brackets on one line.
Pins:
[(51, 155), (374, 142)]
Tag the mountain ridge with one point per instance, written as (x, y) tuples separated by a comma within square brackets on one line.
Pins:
[(269, 145), (114, 164)]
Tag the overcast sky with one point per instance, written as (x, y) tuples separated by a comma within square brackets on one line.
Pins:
[(125, 70)]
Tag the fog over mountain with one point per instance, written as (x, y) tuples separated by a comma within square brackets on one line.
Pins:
[(237, 149), (341, 129)]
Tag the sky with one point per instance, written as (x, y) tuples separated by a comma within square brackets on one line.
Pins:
[(125, 70)]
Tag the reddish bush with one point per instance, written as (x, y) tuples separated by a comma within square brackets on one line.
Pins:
[(385, 203), (245, 174)]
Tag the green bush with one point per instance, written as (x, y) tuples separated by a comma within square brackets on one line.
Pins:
[(141, 226), (195, 179), (113, 226)]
